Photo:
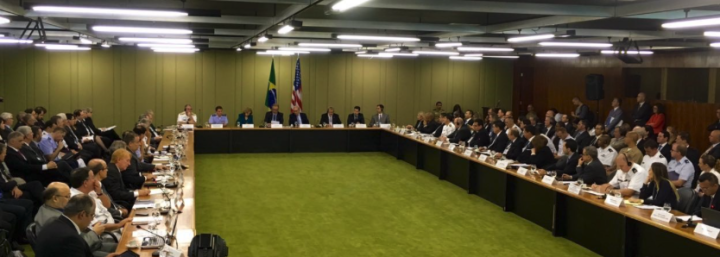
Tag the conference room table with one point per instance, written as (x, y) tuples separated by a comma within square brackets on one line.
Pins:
[(185, 224), (584, 219)]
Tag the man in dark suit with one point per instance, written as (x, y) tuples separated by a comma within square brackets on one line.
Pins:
[(40, 113), (568, 166), (114, 184), (663, 146), (569, 126), (330, 118), (642, 111), (590, 170), (478, 137), (61, 238), (708, 184), (298, 118), (82, 130), (104, 132), (582, 137), (7, 121), (274, 116), (549, 127), (500, 140), (88, 148), (22, 167), (133, 176), (514, 146), (714, 149), (461, 134), (10, 186), (356, 117)]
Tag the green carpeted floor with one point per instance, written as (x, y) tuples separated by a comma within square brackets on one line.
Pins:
[(359, 204)]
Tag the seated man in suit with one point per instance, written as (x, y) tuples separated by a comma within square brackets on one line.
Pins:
[(6, 129), (100, 170), (274, 116), (219, 117), (298, 118), (16, 187), (514, 146), (52, 147), (708, 184), (714, 148), (568, 165), (663, 147), (500, 140), (40, 114), (461, 134), (62, 237), (429, 125), (156, 134), (82, 130), (581, 135), (380, 117), (87, 147), (187, 116), (356, 117), (114, 184), (479, 137), (590, 170), (330, 118), (132, 176), (23, 167), (105, 132)]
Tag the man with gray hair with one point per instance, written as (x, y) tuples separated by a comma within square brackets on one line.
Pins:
[(156, 136), (589, 168), (8, 121), (22, 167), (104, 132)]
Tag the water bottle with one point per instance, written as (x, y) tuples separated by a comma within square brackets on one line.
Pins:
[(238, 124)]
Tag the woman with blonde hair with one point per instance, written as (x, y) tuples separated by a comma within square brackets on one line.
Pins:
[(246, 117), (658, 190)]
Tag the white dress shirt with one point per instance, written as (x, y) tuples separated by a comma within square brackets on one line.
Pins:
[(183, 117), (607, 155), (649, 160), (633, 179), (448, 129), (561, 144)]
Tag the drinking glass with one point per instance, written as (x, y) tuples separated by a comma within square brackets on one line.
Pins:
[(667, 207)]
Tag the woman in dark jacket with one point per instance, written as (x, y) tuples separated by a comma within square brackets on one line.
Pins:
[(657, 189), (540, 155)]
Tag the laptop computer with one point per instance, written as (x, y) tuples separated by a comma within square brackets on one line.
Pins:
[(710, 217)]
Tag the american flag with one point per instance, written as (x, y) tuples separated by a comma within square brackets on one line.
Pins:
[(297, 88)]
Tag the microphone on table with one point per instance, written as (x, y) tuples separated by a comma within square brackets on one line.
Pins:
[(690, 223), (156, 252)]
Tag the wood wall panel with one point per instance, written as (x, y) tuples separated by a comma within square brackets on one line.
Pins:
[(121, 83)]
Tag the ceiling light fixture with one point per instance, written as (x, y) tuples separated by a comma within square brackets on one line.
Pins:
[(502, 56), (399, 54), (474, 55), (4, 20), (285, 52), (530, 38), (344, 5), (576, 44), (85, 41), (61, 47), (14, 41), (175, 50), (374, 56), (712, 33), (330, 45), (249, 45), (140, 30), (484, 49), (304, 49), (557, 55), (628, 52), (108, 11), (281, 53), (691, 23), (465, 58), (157, 40), (239, 49), (378, 38), (164, 45), (289, 26), (448, 44), (263, 39), (394, 49), (105, 44), (436, 53)]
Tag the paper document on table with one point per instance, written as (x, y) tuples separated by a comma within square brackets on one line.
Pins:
[(685, 218), (146, 220), (143, 233), (647, 207), (520, 165), (593, 192), (109, 128), (567, 182), (144, 204)]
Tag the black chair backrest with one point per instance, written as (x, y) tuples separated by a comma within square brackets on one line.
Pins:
[(687, 197), (5, 245), (31, 234)]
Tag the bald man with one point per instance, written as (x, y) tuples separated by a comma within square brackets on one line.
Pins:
[(714, 149), (100, 170)]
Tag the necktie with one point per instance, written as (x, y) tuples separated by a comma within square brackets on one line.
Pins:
[(330, 119), (274, 117), (299, 120), (23, 156)]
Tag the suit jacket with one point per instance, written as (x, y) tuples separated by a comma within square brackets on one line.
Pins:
[(665, 151), (20, 166), (268, 117), (34, 157), (641, 115), (550, 133), (5, 132), (336, 119), (541, 159), (132, 176), (715, 151), (641, 146), (613, 118), (293, 118), (438, 130), (7, 184), (707, 202), (82, 129), (91, 125), (582, 113), (570, 166), (592, 173), (60, 238), (460, 135), (351, 119), (72, 139), (384, 120), (430, 128), (479, 139), (570, 128), (714, 126), (116, 187), (583, 140), (499, 143), (516, 148)]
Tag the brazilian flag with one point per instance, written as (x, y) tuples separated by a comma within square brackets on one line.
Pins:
[(271, 97)]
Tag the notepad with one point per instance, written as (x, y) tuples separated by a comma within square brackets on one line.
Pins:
[(109, 128), (648, 207), (146, 220), (143, 233), (593, 192)]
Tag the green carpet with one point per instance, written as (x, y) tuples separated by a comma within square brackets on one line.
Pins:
[(359, 204)]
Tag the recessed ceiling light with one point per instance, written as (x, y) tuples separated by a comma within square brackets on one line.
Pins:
[(484, 49), (108, 11), (448, 44), (692, 23), (530, 38), (141, 30), (558, 55), (374, 56), (4, 20), (465, 58), (628, 52), (436, 53), (344, 5), (165, 45), (14, 41), (378, 38), (330, 45), (175, 50), (576, 44), (502, 56), (157, 40), (304, 49)]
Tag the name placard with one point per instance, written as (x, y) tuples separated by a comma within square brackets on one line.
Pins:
[(662, 215), (482, 157), (427, 140), (502, 164), (338, 126), (613, 200), (305, 126), (248, 126), (468, 153), (275, 126), (439, 143), (708, 231), (216, 126), (548, 180), (575, 188), (385, 126), (360, 126), (522, 171), (451, 147), (187, 126)]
